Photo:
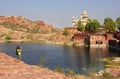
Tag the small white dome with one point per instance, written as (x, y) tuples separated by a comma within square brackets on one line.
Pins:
[(73, 17), (84, 12)]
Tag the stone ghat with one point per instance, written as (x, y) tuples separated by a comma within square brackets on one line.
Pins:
[(11, 68)]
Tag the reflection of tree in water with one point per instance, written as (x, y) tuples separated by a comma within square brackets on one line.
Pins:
[(113, 52), (83, 59), (92, 59), (96, 55)]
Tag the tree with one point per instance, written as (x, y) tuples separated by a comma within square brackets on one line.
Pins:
[(66, 32), (81, 27), (96, 24), (109, 24), (118, 23), (92, 26)]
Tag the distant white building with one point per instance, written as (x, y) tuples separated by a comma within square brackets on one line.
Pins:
[(83, 18)]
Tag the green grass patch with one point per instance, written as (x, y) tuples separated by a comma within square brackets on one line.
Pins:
[(109, 62)]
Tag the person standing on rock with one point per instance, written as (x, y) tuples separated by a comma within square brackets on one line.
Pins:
[(18, 52)]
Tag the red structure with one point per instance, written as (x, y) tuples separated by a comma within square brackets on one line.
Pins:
[(80, 36), (99, 39)]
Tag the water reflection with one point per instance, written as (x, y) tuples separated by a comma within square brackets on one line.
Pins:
[(83, 58)]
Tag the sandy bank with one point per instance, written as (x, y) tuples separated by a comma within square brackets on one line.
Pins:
[(11, 68)]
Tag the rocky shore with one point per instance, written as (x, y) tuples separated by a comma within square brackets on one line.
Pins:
[(11, 68)]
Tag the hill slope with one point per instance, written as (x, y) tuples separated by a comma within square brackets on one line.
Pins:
[(22, 24), (20, 28)]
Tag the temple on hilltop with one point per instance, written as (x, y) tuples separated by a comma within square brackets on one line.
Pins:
[(99, 39), (83, 19)]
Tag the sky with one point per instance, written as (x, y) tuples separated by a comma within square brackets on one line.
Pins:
[(59, 13)]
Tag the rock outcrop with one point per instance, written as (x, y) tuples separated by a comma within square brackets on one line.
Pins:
[(20, 28), (23, 24), (11, 68)]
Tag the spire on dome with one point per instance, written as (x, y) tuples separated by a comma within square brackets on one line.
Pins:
[(84, 12)]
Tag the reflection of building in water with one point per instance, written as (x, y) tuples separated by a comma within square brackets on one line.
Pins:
[(99, 52), (81, 57), (88, 58), (96, 54), (83, 19)]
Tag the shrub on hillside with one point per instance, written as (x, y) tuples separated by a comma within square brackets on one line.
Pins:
[(65, 32)]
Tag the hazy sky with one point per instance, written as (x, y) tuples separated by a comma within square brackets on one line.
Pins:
[(59, 12)]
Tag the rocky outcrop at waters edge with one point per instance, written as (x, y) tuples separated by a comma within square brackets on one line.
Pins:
[(11, 68)]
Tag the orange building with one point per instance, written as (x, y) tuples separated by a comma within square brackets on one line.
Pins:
[(99, 39)]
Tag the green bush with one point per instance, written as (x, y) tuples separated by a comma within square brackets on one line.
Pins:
[(70, 72), (59, 69), (42, 61), (107, 76), (7, 37), (74, 44), (65, 32)]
